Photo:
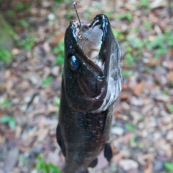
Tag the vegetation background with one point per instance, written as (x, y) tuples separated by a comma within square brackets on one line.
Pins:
[(31, 62)]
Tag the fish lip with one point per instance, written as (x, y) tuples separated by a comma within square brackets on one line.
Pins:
[(103, 21)]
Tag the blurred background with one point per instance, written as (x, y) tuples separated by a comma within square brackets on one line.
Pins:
[(31, 62)]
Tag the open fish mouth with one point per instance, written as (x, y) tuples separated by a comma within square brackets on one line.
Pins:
[(92, 69), (90, 37)]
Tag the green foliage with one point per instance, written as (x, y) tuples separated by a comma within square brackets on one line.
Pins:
[(147, 25), (59, 52), (130, 127), (160, 43), (57, 101), (47, 81), (135, 42), (130, 59), (5, 103), (27, 43), (137, 30), (168, 38), (41, 165), (169, 166), (9, 120), (155, 43), (23, 23), (118, 34), (58, 1), (133, 140), (132, 46), (11, 13), (5, 55), (143, 4), (21, 6), (170, 108), (126, 16), (126, 73)]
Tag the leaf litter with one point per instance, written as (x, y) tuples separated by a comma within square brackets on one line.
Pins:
[(142, 127)]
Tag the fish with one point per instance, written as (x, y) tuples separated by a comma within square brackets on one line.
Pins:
[(91, 83)]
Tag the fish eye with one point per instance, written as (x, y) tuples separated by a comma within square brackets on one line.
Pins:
[(74, 63)]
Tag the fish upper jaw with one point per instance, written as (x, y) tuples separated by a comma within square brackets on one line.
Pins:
[(89, 38)]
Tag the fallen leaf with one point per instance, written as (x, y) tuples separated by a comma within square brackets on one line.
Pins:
[(57, 39), (170, 76), (139, 88)]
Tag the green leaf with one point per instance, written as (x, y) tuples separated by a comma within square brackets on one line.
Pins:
[(126, 16), (53, 168), (130, 127), (169, 166), (21, 6), (9, 120), (57, 101), (126, 73), (135, 42), (5, 103), (58, 1), (118, 34), (132, 140), (130, 59), (27, 43), (47, 81), (147, 25), (170, 108), (5, 55), (143, 4), (41, 165)]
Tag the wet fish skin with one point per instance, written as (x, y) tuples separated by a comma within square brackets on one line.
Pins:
[(88, 94)]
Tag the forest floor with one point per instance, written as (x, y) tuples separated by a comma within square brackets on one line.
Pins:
[(142, 128)]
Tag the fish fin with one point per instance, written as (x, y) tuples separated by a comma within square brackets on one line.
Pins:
[(108, 151), (60, 140), (93, 163)]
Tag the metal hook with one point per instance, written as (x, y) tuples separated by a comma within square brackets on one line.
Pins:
[(74, 5)]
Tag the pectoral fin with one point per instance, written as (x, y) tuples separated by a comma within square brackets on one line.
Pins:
[(108, 152), (60, 140)]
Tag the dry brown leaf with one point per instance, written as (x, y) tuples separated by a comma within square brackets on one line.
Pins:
[(149, 167), (125, 95), (139, 88), (57, 39), (153, 62), (170, 76)]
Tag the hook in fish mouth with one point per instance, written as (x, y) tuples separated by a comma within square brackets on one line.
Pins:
[(90, 37)]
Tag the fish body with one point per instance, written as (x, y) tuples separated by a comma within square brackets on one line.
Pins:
[(91, 83)]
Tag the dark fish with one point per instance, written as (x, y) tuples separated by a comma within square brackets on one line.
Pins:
[(91, 83)]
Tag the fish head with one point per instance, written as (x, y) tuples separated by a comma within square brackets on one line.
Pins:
[(91, 65)]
